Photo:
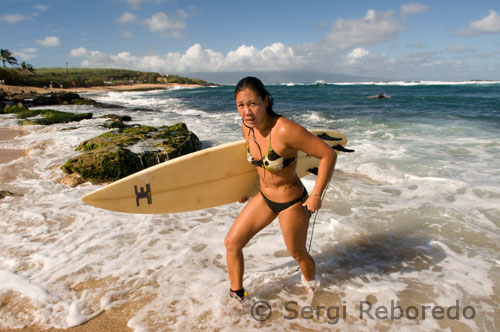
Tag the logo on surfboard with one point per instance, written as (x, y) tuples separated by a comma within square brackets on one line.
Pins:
[(143, 194)]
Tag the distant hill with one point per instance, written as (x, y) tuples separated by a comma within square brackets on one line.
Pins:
[(86, 77)]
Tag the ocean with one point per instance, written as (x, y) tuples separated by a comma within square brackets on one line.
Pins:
[(408, 238)]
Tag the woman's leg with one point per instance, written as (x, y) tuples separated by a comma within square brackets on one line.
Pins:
[(294, 222), (254, 217)]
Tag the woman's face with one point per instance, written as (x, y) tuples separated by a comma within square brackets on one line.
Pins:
[(251, 107)]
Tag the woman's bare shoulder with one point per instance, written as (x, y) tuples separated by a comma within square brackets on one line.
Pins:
[(287, 127)]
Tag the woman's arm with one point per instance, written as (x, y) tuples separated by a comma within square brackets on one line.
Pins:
[(297, 137)]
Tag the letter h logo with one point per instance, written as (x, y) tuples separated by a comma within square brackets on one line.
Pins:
[(143, 194)]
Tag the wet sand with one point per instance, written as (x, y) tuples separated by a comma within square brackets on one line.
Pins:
[(7, 155), (114, 320)]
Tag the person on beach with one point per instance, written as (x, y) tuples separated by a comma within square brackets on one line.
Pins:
[(273, 142)]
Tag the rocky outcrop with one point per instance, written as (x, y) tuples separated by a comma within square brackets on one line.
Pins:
[(112, 155), (45, 116), (45, 99), (116, 154), (116, 121)]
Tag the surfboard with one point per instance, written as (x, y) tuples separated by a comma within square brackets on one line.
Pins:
[(207, 178)]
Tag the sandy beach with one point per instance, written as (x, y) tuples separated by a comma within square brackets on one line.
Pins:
[(124, 87), (7, 155), (114, 319)]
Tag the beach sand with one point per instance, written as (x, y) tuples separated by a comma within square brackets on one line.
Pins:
[(7, 155), (125, 87), (114, 319)]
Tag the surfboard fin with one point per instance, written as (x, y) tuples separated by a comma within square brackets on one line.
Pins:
[(313, 170), (326, 137), (339, 147)]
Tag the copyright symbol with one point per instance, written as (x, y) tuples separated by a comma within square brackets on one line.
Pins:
[(261, 311)]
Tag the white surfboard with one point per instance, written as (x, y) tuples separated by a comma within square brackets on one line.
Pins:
[(211, 177)]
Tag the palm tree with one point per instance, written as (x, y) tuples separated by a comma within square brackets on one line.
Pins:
[(28, 67), (6, 56)]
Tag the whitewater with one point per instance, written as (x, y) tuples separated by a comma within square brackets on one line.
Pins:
[(409, 224)]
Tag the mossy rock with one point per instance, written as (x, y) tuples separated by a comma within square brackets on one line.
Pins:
[(119, 153), (104, 164), (48, 117), (15, 108), (116, 121), (44, 116)]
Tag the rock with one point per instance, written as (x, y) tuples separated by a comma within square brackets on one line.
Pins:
[(116, 121), (116, 154), (48, 117), (71, 180), (44, 117), (5, 193), (51, 98), (59, 98)]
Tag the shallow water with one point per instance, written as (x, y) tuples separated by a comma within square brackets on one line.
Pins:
[(410, 220)]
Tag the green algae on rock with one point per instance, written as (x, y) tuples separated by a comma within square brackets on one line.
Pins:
[(116, 154), (44, 116)]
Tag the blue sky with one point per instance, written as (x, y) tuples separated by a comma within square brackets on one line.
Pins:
[(396, 40)]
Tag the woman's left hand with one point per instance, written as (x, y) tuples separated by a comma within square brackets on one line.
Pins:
[(313, 203)]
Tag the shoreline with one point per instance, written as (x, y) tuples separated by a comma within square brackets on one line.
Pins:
[(8, 155), (114, 318), (119, 88)]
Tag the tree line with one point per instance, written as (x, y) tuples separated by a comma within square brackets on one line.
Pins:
[(25, 74), (8, 58)]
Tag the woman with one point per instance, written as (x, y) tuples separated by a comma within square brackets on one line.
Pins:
[(273, 143)]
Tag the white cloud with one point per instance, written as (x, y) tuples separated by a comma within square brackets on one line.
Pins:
[(41, 8), (26, 53), (197, 59), (487, 24), (356, 54), (49, 41), (127, 18), (374, 28), (169, 26), (13, 18), (412, 9), (78, 52)]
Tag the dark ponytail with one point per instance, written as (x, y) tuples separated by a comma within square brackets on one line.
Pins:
[(254, 84)]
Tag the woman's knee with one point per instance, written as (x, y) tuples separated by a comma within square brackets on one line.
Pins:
[(232, 244), (300, 254)]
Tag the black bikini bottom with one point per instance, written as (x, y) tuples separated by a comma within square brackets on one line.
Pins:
[(278, 207)]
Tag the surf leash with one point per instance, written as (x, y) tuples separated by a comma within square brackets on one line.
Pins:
[(314, 221), (316, 215)]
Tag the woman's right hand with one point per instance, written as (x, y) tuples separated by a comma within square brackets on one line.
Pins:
[(243, 199)]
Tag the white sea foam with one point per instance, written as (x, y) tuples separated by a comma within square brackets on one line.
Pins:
[(400, 222), (416, 83)]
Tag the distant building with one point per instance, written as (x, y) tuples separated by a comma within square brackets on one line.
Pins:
[(162, 79)]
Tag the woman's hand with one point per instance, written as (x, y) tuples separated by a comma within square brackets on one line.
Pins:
[(313, 203)]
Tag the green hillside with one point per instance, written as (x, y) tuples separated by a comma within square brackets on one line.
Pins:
[(85, 77)]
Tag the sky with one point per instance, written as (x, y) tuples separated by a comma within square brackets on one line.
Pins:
[(380, 40)]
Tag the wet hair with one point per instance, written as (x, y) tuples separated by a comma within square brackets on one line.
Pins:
[(254, 84)]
